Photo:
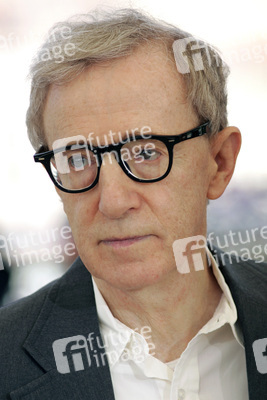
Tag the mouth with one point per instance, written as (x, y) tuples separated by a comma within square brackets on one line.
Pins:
[(124, 242)]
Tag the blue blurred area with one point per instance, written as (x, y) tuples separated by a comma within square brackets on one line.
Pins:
[(237, 222)]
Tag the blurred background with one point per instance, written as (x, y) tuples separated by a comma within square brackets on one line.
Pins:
[(35, 241)]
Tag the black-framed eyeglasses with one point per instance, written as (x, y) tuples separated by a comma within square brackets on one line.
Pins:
[(75, 168)]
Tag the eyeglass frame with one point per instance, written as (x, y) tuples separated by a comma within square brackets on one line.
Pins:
[(169, 140)]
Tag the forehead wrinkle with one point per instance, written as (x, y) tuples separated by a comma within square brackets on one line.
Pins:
[(157, 74), (158, 91)]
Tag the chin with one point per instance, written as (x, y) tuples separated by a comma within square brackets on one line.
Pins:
[(134, 275)]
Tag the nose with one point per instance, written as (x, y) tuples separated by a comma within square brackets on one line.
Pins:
[(118, 192)]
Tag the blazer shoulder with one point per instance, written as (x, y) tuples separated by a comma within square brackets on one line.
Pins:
[(19, 317), (247, 276)]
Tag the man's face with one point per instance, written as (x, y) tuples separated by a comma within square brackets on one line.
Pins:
[(124, 230)]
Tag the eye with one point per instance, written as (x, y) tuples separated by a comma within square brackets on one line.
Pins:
[(78, 161), (149, 155)]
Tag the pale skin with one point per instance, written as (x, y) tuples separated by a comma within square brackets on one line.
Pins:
[(124, 230)]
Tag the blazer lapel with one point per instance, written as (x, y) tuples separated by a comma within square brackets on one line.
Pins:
[(247, 282), (58, 342)]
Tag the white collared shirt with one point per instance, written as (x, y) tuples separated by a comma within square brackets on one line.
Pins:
[(212, 366)]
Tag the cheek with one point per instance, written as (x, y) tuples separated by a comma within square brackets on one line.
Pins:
[(193, 176), (79, 214), (182, 201)]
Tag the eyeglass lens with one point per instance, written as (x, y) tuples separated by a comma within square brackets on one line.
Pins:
[(76, 169)]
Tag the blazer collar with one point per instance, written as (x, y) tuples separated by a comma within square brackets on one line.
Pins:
[(247, 283), (68, 314)]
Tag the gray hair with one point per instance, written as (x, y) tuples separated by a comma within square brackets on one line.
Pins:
[(89, 39)]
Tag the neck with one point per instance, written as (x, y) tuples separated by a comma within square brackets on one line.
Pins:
[(174, 309)]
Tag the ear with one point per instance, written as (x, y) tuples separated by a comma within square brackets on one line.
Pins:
[(225, 147)]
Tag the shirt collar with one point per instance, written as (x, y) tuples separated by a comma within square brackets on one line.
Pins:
[(117, 336), (226, 310)]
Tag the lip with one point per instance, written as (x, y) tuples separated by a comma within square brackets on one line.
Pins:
[(123, 242)]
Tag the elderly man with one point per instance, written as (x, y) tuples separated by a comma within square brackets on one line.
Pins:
[(128, 116)]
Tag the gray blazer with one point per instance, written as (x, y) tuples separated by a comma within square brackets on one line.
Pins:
[(66, 308)]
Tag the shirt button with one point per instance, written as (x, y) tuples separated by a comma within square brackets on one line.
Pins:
[(181, 394)]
